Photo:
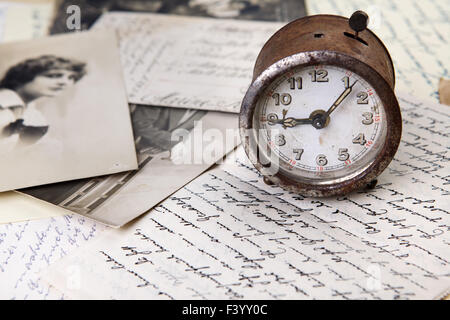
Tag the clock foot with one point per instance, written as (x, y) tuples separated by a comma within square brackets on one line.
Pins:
[(267, 181), (372, 184)]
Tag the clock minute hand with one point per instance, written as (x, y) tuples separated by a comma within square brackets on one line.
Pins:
[(341, 98)]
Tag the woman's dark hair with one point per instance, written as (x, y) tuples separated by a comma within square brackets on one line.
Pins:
[(26, 71)]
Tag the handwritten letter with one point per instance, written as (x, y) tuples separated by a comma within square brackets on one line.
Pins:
[(27, 248), (227, 235), (187, 62)]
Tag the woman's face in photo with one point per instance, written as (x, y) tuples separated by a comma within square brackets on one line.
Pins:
[(50, 83)]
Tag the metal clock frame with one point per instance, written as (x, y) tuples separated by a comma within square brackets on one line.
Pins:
[(324, 57)]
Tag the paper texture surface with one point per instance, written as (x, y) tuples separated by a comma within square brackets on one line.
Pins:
[(18, 207), (29, 247), (25, 20), (175, 61), (228, 235), (415, 33)]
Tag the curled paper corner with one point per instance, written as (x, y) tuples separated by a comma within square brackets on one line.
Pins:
[(444, 91)]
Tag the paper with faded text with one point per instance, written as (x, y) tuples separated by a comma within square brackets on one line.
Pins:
[(23, 20), (187, 62), (227, 235), (31, 246)]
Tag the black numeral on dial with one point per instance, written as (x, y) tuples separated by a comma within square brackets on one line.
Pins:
[(280, 140), (368, 118), (284, 98), (362, 98), (343, 154), (319, 75), (296, 83), (298, 153), (346, 81), (321, 160), (359, 139)]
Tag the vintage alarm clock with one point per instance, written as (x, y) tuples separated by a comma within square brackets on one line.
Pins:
[(320, 117)]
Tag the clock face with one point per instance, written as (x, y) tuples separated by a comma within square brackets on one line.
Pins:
[(323, 124)]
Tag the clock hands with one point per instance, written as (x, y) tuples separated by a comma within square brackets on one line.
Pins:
[(272, 118), (286, 122), (347, 91), (319, 119), (292, 122)]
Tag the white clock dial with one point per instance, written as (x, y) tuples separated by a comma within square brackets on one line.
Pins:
[(324, 123)]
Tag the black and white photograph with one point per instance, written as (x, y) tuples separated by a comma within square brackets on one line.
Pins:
[(63, 110), (264, 10), (153, 128), (116, 199)]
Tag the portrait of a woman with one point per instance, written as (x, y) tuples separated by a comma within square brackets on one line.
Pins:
[(21, 86)]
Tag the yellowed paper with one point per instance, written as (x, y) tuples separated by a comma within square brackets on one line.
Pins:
[(23, 20), (16, 207), (30, 246)]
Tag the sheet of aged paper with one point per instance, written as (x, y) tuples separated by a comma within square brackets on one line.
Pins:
[(29, 247), (415, 33), (227, 235), (16, 207), (23, 20), (187, 62)]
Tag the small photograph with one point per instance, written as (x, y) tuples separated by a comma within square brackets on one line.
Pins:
[(267, 10), (63, 110), (118, 198), (153, 128), (22, 86)]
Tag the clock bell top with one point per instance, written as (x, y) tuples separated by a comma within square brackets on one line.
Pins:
[(332, 34)]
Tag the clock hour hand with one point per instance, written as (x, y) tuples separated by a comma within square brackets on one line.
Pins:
[(287, 122), (292, 122), (341, 98), (272, 118)]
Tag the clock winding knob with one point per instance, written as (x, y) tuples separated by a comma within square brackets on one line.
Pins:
[(358, 21)]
